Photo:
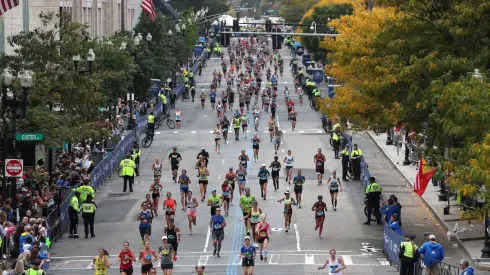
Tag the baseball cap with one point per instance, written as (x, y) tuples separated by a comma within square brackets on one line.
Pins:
[(203, 148), (247, 238), (214, 190), (432, 237), (164, 238), (263, 165)]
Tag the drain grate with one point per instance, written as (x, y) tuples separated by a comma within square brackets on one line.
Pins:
[(116, 195)]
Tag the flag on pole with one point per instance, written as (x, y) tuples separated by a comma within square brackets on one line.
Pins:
[(6, 5), (423, 177), (147, 6)]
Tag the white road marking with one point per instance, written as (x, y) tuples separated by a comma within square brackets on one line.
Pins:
[(276, 261), (237, 260), (211, 132), (223, 161), (319, 131), (203, 260), (219, 177), (309, 259), (347, 260), (205, 116), (176, 132), (64, 264), (89, 266), (157, 133), (276, 229), (282, 150), (266, 131), (207, 240), (301, 131), (383, 261), (193, 132), (297, 237)]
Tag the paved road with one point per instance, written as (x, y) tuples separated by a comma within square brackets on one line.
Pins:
[(297, 252)]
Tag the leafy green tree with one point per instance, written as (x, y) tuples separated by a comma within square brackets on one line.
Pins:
[(47, 53), (321, 15), (292, 10), (214, 6), (165, 53)]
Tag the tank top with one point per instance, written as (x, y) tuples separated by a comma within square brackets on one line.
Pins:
[(170, 205), (254, 216), (145, 215), (157, 170), (217, 133), (289, 161), (264, 230), (320, 209), (240, 175), (147, 255), (219, 107), (288, 201), (177, 115), (190, 204), (171, 235), (125, 264), (319, 160), (271, 124), (243, 160), (334, 184), (332, 265), (292, 115), (202, 174), (100, 268)]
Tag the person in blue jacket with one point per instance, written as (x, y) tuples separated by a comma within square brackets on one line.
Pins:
[(389, 210), (394, 224), (433, 254), (467, 269)]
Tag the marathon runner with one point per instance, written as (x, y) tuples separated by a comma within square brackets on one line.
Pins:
[(145, 217), (275, 167), (217, 224), (246, 204), (191, 204), (169, 205), (214, 201), (263, 230), (172, 232), (254, 216), (241, 175), (320, 208), (334, 184), (231, 178), (255, 146), (288, 161), (288, 209), (217, 137), (277, 139), (226, 192), (167, 255), (184, 181), (319, 160), (174, 158), (243, 158), (335, 264), (203, 174), (147, 257), (263, 178), (126, 259), (101, 263), (298, 181), (248, 253)]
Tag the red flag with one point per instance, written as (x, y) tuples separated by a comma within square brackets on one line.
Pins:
[(423, 177), (147, 6), (6, 5)]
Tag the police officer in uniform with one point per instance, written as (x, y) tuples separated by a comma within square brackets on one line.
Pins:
[(408, 255), (88, 209), (151, 123), (200, 68), (345, 162), (373, 194), (356, 155), (73, 211), (85, 189), (126, 170), (163, 100), (136, 157)]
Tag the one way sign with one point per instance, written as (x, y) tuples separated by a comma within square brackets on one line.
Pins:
[(300, 51)]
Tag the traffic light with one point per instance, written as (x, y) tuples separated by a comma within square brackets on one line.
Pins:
[(268, 26), (276, 41), (236, 27)]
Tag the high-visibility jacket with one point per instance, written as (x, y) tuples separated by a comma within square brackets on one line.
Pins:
[(409, 249), (32, 271), (151, 119), (84, 191), (335, 126), (88, 207), (73, 206), (163, 98), (335, 136), (373, 187), (127, 167)]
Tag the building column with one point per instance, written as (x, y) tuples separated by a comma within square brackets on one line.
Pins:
[(95, 17), (25, 15)]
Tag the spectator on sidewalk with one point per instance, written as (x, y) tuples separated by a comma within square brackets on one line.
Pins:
[(394, 224), (433, 255), (467, 269), (388, 210), (23, 238)]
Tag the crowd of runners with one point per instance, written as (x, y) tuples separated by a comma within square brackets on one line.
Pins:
[(248, 60)]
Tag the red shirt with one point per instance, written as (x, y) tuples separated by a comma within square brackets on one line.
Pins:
[(125, 264), (230, 176), (264, 230)]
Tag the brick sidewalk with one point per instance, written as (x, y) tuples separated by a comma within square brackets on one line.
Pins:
[(471, 233)]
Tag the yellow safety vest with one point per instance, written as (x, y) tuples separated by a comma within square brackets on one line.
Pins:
[(74, 203), (31, 271), (88, 208), (345, 152), (127, 167), (373, 187), (151, 119), (409, 249), (84, 191), (335, 126), (335, 137)]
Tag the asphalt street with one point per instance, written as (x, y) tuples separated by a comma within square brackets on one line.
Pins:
[(298, 252)]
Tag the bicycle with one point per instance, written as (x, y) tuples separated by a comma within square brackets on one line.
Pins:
[(185, 96), (170, 122), (148, 139)]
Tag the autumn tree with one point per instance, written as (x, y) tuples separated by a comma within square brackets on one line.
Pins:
[(292, 10)]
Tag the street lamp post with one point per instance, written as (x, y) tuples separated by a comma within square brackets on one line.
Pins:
[(313, 27), (90, 61), (9, 100)]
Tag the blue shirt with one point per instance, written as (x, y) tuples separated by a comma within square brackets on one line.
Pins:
[(145, 216), (212, 95), (217, 222), (248, 252), (263, 174)]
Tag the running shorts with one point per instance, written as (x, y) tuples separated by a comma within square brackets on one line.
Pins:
[(334, 191), (248, 262), (128, 271), (320, 169), (203, 181), (218, 235), (155, 195), (175, 166), (298, 190), (262, 239), (167, 266), (145, 268)]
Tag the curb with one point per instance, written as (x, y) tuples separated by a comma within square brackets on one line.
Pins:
[(427, 203)]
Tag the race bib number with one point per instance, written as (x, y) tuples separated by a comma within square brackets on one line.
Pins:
[(217, 226), (319, 163), (169, 209), (263, 234), (226, 193), (320, 213), (165, 251)]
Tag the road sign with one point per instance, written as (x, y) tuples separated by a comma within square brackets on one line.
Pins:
[(318, 75), (305, 58), (331, 91), (300, 51), (14, 167), (29, 137)]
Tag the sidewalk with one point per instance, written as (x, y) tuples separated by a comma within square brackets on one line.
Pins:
[(470, 235)]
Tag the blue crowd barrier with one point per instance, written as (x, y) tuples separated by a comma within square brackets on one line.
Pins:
[(57, 221)]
